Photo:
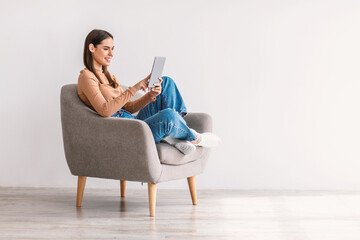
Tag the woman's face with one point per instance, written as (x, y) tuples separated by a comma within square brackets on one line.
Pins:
[(103, 52)]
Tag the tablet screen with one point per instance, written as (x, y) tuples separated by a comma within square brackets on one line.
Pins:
[(156, 71)]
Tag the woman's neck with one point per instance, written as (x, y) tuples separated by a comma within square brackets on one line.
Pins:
[(97, 67)]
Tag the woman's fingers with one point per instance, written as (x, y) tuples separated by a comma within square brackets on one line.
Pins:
[(143, 86), (157, 88)]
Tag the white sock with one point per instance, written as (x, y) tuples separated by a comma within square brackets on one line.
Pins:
[(207, 139), (183, 146)]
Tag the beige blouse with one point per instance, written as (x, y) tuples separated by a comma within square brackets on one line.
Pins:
[(103, 98)]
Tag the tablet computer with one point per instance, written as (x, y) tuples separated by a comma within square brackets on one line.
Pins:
[(156, 71)]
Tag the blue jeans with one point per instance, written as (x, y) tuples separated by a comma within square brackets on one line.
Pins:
[(165, 115)]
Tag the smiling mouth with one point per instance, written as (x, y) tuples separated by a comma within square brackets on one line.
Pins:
[(108, 59)]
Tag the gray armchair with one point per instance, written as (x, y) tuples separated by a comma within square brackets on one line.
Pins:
[(124, 149)]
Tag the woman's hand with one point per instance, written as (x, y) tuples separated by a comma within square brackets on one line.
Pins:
[(143, 84), (156, 90)]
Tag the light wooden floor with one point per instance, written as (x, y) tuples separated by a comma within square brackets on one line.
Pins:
[(39, 213)]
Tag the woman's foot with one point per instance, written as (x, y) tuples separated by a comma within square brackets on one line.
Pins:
[(207, 139), (183, 146)]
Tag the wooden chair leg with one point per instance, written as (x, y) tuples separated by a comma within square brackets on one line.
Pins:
[(192, 186), (122, 187), (80, 190), (152, 198)]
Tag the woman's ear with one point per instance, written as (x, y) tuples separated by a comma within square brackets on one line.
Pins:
[(91, 47)]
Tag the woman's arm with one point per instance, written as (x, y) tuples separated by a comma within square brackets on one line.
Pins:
[(90, 87), (134, 106)]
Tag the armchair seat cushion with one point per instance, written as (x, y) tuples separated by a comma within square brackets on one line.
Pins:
[(169, 155)]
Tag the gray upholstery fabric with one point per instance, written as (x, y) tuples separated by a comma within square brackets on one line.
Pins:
[(171, 156), (117, 148)]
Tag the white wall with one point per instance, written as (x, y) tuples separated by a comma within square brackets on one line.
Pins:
[(280, 78)]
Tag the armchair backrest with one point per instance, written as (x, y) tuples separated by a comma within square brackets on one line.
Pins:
[(74, 113)]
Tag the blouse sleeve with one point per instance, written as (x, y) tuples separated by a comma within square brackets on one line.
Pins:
[(134, 106)]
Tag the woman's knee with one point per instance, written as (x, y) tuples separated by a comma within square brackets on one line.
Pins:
[(166, 81)]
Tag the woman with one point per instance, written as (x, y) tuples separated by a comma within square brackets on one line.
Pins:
[(162, 107)]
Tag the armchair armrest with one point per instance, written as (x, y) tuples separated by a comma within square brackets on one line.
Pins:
[(201, 122), (114, 148)]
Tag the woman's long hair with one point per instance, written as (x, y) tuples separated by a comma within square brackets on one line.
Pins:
[(95, 37)]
